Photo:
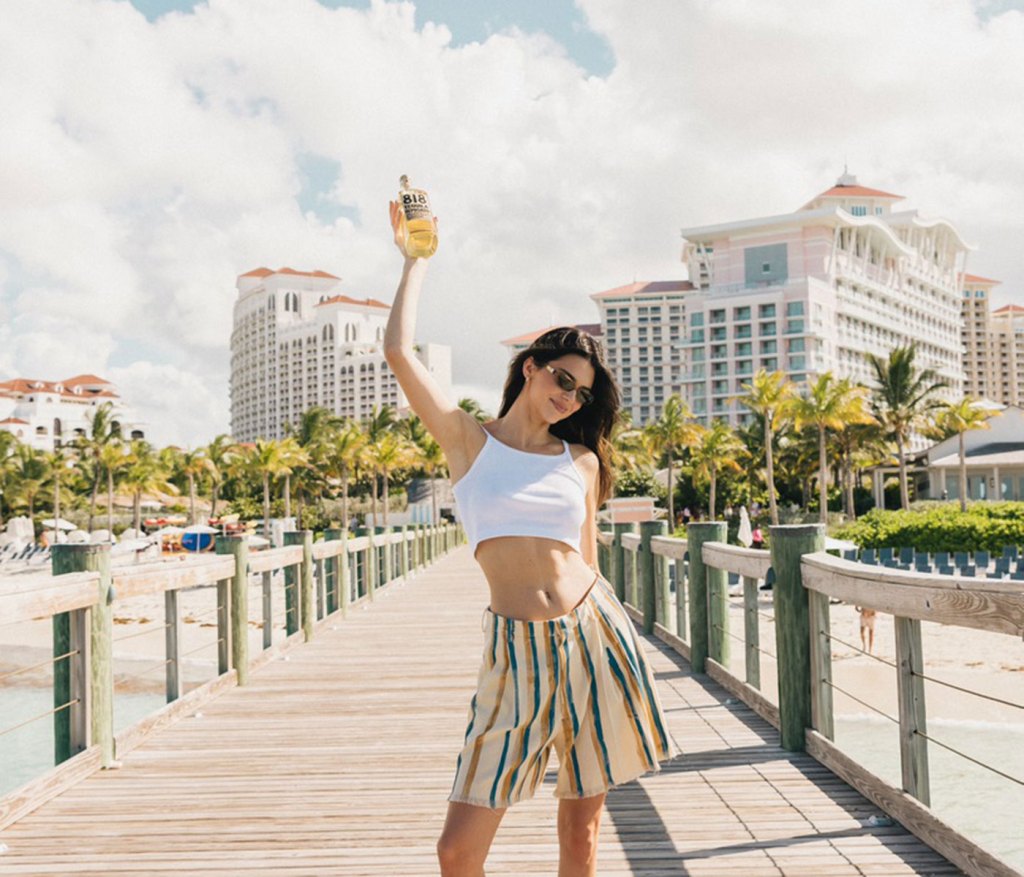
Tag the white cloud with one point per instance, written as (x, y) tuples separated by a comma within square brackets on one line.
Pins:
[(144, 165)]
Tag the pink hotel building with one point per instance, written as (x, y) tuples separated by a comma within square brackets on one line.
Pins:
[(804, 292)]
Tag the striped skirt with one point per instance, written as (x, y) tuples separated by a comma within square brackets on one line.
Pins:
[(578, 684)]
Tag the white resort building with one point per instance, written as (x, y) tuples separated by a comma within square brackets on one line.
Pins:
[(993, 344), (816, 290), (48, 414), (298, 342)]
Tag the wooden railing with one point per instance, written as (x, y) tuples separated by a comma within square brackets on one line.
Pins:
[(314, 583), (678, 589)]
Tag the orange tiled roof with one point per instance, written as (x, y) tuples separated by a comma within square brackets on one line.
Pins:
[(856, 192), (266, 272), (1008, 309), (344, 299), (530, 337), (83, 379), (974, 278), (21, 386), (646, 286), (17, 420)]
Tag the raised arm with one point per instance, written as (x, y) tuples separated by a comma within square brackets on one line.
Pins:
[(445, 421)]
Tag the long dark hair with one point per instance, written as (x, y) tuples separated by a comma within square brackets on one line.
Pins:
[(589, 425)]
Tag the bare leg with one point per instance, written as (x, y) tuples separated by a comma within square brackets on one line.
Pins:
[(871, 640), (864, 638), (466, 838), (578, 822)]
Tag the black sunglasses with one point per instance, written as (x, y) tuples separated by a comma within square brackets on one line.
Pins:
[(568, 383)]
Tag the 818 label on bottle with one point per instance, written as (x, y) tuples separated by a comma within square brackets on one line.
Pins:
[(416, 206)]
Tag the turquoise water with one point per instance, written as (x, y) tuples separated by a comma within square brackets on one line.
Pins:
[(981, 805), (27, 752)]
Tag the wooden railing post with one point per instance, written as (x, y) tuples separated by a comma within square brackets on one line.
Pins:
[(682, 614), (333, 596), (389, 566), (752, 632), (404, 556), (702, 580), (300, 611), (913, 721), (792, 631), (238, 547), (339, 564), (649, 597), (86, 678), (619, 560)]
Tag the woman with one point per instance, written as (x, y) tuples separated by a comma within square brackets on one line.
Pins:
[(562, 667)]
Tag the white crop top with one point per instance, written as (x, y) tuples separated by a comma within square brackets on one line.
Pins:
[(508, 492)]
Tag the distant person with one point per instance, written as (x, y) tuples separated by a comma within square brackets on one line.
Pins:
[(867, 628), (528, 485), (757, 538), (686, 516)]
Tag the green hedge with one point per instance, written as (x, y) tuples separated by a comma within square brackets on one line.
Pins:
[(984, 526)]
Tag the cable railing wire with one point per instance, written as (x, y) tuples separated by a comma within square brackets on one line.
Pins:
[(45, 663), (969, 758), (156, 628), (53, 712), (871, 707), (858, 649), (980, 694)]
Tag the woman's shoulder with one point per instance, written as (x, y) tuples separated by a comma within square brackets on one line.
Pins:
[(583, 457)]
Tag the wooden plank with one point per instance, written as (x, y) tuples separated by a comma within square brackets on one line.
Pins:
[(278, 558), (912, 710), (752, 562), (154, 578), (822, 711), (909, 812), (747, 693), (54, 595), (23, 800), (669, 546), (983, 604)]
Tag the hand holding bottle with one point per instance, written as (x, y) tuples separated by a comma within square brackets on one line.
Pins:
[(411, 220)]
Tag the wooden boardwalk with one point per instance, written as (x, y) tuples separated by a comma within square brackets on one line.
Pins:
[(338, 757)]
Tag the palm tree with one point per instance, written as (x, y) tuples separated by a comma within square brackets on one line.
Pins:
[(103, 430), (430, 456), (58, 460), (716, 450), (389, 452), (111, 460), (380, 422), (266, 458), (904, 395), (830, 404), (674, 429), (28, 474), (145, 472), (8, 444), (344, 458), (471, 406), (956, 418), (193, 464), (770, 396), (292, 456), (859, 445), (220, 452)]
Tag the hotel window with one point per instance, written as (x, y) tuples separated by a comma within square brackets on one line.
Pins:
[(718, 333), (796, 345), (794, 326), (743, 349), (719, 351), (768, 328), (769, 346), (770, 364), (717, 316), (764, 311), (740, 315), (697, 319), (859, 210), (794, 309)]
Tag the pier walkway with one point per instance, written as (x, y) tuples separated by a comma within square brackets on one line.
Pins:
[(337, 757)]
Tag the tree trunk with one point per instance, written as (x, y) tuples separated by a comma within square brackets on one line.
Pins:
[(822, 476), (56, 499), (851, 501), (433, 494), (963, 475), (904, 491), (266, 506), (373, 497), (137, 511), (773, 507), (711, 496), (93, 498), (385, 471), (110, 504), (671, 507), (287, 494), (191, 498), (214, 498)]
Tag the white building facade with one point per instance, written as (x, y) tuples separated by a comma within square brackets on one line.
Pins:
[(49, 414), (816, 290), (643, 326), (299, 343)]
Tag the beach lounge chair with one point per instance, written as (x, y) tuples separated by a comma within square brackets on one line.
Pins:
[(868, 556)]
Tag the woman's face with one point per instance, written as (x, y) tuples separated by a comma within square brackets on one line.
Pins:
[(545, 390)]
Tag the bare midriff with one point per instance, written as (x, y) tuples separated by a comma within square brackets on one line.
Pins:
[(532, 578)]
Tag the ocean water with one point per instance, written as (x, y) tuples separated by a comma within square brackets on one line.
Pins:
[(978, 803), (27, 752)]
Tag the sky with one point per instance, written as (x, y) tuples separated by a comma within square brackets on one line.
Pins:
[(154, 150)]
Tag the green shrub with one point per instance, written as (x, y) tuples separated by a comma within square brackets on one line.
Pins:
[(984, 526)]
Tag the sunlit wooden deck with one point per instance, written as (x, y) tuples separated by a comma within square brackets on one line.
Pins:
[(337, 758)]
